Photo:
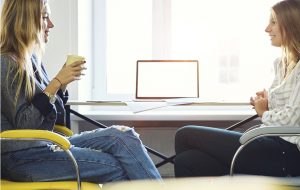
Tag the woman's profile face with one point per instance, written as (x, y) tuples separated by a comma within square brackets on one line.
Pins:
[(274, 31), (47, 23)]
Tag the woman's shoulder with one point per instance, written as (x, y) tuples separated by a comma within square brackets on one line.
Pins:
[(277, 64), (8, 66), (8, 61), (277, 61), (297, 68)]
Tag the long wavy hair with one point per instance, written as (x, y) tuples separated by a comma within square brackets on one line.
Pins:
[(287, 13), (21, 36)]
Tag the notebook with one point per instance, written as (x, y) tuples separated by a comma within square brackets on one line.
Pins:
[(157, 80)]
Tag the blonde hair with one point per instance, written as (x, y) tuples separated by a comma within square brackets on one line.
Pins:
[(21, 35), (287, 13)]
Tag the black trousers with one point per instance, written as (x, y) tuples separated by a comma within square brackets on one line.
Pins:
[(207, 151)]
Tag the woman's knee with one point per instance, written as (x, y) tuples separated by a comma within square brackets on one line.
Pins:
[(128, 134), (122, 129), (189, 130), (184, 133)]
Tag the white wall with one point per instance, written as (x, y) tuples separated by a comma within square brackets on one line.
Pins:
[(64, 40), (85, 46)]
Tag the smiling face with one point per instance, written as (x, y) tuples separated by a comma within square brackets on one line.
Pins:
[(274, 31), (46, 22)]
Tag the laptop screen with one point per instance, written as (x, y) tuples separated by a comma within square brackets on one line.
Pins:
[(162, 79)]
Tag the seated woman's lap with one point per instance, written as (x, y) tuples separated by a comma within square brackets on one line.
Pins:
[(214, 141), (205, 151), (42, 164)]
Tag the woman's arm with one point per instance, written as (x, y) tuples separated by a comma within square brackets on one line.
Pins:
[(285, 104), (37, 114)]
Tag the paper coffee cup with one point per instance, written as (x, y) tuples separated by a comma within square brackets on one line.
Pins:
[(73, 58)]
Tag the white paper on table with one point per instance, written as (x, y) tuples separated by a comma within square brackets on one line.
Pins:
[(141, 106), (137, 107)]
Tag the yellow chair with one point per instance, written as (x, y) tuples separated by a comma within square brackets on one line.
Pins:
[(60, 141)]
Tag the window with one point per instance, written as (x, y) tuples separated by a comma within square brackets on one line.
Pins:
[(227, 37)]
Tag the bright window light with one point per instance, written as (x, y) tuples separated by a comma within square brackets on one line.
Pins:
[(226, 37), (129, 38)]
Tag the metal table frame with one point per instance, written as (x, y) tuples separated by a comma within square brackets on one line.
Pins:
[(165, 159), (69, 111)]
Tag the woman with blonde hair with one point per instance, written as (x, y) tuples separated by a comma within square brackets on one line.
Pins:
[(31, 100), (204, 151)]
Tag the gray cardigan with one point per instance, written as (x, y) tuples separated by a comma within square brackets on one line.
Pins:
[(37, 114)]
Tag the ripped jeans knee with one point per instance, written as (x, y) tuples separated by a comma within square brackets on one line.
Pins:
[(124, 128)]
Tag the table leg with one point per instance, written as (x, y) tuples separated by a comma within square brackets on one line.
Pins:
[(100, 125)]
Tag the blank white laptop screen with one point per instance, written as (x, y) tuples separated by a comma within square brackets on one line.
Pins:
[(162, 79)]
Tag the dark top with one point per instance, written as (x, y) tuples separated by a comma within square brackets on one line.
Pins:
[(37, 114)]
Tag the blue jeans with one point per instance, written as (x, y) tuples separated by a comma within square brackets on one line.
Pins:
[(103, 155)]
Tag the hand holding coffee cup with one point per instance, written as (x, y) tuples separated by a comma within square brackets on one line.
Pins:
[(72, 70), (73, 58)]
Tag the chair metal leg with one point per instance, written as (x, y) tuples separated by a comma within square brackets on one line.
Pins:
[(69, 153), (248, 142), (234, 159), (239, 150), (76, 168)]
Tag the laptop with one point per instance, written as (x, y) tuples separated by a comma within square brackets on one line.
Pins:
[(158, 80)]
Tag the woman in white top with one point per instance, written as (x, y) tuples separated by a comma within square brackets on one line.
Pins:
[(205, 151)]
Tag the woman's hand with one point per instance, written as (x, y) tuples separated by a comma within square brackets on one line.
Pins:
[(67, 74), (262, 94), (70, 73), (260, 102)]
